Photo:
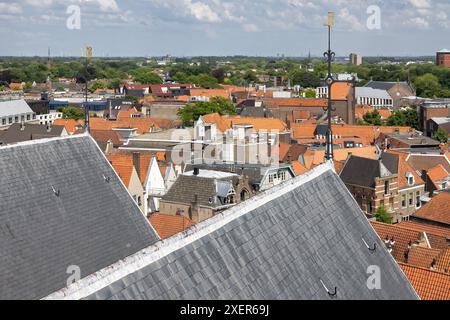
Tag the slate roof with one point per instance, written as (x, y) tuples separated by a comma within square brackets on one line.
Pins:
[(203, 188), (277, 245), (363, 171), (93, 223), (383, 85), (15, 133)]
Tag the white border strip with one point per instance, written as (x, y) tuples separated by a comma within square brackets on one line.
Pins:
[(105, 277)]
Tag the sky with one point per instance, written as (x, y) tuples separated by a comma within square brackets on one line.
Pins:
[(223, 27)]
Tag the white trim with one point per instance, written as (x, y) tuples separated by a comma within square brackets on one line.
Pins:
[(102, 278)]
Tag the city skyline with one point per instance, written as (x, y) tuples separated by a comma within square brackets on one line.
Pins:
[(222, 28)]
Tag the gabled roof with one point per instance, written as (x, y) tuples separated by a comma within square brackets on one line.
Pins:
[(224, 123), (168, 225), (303, 239), (62, 205), (428, 161), (430, 285), (71, 125), (435, 174), (18, 133), (403, 168), (13, 107), (385, 85), (437, 210), (363, 171)]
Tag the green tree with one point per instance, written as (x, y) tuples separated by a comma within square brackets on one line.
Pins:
[(192, 111), (440, 135), (309, 93), (382, 215), (428, 86), (203, 80), (402, 118), (71, 113), (373, 118), (146, 76)]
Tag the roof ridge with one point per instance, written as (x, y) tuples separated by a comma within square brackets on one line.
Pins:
[(425, 269), (40, 141), (160, 249)]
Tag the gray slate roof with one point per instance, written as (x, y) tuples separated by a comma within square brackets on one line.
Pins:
[(15, 133), (187, 187), (363, 171), (92, 223), (386, 85), (277, 245)]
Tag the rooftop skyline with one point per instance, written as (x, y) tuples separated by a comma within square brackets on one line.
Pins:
[(218, 27)]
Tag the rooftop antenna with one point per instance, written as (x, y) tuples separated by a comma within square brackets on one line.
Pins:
[(329, 55), (88, 56)]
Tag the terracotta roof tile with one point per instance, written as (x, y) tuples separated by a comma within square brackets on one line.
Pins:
[(124, 172), (70, 124), (210, 93), (403, 168), (422, 257), (125, 159), (438, 209), (430, 285), (443, 261), (401, 236), (436, 174), (168, 225), (224, 123), (299, 169), (340, 90), (425, 227), (294, 102)]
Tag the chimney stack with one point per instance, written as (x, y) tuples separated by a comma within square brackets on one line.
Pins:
[(137, 162), (196, 173)]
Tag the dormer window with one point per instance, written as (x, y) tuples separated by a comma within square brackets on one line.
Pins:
[(410, 179)]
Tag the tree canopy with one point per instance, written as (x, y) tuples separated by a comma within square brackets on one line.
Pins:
[(192, 111), (382, 215), (441, 135)]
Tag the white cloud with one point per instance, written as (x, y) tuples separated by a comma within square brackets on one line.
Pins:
[(351, 20), (10, 8), (421, 4)]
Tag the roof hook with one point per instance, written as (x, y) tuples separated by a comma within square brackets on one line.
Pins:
[(331, 294), (107, 179), (371, 249), (56, 192)]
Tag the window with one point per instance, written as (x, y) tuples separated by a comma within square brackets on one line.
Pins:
[(418, 204), (10, 120), (16, 119), (386, 187), (3, 121), (391, 204), (22, 118), (270, 178), (411, 199), (410, 178), (28, 117), (403, 200)]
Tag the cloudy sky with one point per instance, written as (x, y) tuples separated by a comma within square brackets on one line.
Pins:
[(222, 27)]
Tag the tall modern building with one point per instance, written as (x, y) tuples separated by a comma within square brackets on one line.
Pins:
[(356, 59), (443, 58)]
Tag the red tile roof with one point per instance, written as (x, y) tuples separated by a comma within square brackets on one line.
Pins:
[(299, 168), (224, 123), (436, 174), (403, 168), (438, 209), (167, 225), (429, 285)]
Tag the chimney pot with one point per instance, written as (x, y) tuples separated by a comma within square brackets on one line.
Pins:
[(196, 173)]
